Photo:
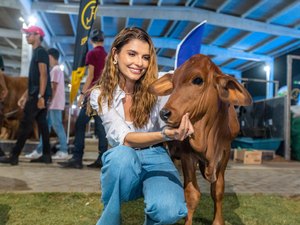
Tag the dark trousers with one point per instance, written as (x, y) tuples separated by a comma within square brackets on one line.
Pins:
[(32, 113), (80, 126)]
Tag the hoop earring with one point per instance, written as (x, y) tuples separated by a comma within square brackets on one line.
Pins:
[(115, 62)]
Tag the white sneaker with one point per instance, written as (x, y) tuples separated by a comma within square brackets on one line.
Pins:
[(60, 155), (33, 155)]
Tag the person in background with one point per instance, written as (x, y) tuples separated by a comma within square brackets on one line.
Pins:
[(55, 108), (137, 165), (33, 101), (1, 63), (4, 90), (95, 60)]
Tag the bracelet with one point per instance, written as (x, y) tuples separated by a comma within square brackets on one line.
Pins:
[(165, 136), (81, 93)]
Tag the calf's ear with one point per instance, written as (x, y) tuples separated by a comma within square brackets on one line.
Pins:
[(163, 86), (231, 91)]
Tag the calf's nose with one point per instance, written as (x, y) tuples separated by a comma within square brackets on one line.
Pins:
[(164, 114)]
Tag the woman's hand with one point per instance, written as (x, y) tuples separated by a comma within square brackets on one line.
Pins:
[(183, 131)]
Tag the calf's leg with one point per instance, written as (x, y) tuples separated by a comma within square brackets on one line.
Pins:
[(191, 189), (217, 193), (217, 190)]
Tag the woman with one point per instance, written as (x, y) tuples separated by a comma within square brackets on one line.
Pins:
[(137, 165)]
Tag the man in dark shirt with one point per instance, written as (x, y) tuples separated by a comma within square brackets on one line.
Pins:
[(95, 60), (34, 100)]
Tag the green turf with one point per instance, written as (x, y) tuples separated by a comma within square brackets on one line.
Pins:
[(84, 209)]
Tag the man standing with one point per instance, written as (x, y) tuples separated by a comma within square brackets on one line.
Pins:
[(34, 100), (95, 60), (55, 109)]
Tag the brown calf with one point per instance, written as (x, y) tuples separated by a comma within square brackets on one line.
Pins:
[(10, 112), (201, 89)]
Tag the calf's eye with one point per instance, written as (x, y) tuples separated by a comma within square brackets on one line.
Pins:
[(197, 81)]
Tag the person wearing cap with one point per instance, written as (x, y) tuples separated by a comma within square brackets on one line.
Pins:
[(33, 101), (95, 60), (55, 108)]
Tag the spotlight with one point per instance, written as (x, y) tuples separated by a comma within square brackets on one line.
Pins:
[(21, 19), (32, 20), (267, 68)]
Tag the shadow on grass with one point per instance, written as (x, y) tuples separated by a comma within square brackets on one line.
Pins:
[(4, 210), (133, 212), (230, 215), (205, 212)]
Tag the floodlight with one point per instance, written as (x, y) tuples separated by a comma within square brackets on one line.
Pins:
[(32, 20), (267, 68), (21, 19)]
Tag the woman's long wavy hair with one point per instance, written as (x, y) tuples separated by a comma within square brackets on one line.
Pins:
[(142, 102)]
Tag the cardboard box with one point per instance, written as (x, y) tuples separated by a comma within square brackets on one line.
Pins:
[(267, 155), (247, 157)]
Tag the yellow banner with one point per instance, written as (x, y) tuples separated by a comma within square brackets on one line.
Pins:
[(75, 84)]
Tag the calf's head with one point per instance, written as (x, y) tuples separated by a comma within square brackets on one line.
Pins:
[(199, 88)]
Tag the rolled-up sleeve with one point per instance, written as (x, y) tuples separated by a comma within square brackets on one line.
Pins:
[(115, 127), (94, 99)]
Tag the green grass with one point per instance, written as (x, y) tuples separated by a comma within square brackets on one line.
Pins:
[(84, 209)]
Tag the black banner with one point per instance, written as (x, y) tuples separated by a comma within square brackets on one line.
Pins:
[(86, 17)]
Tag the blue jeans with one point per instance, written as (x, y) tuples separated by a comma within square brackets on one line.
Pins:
[(128, 174), (80, 126), (55, 121)]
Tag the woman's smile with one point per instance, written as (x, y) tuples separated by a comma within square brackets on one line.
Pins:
[(136, 70)]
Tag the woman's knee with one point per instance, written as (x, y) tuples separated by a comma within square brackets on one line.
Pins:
[(120, 173), (166, 211), (120, 158)]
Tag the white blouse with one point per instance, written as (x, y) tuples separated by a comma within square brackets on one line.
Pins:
[(113, 118)]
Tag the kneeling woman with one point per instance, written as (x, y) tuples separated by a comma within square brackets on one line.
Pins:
[(137, 165)]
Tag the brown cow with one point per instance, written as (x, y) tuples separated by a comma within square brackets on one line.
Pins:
[(201, 89), (10, 112)]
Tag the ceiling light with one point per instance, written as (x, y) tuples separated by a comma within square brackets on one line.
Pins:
[(267, 68), (32, 20)]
